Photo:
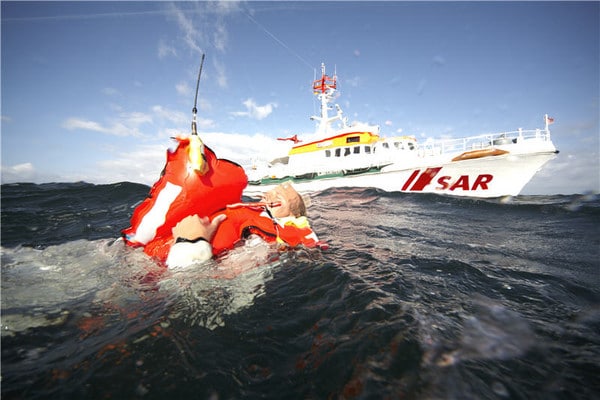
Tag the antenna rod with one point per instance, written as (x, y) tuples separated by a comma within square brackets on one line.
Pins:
[(195, 110)]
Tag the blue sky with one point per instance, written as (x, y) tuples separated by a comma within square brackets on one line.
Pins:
[(93, 91)]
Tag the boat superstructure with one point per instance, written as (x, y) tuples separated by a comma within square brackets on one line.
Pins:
[(490, 165)]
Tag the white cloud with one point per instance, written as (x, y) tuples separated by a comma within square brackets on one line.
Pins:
[(127, 124), (220, 36), (143, 163), (224, 8), (190, 35), (136, 118), (255, 111), (174, 116), (221, 74), (204, 123), (18, 173), (179, 119), (566, 174), (115, 107), (202, 25), (165, 50), (242, 148), (76, 123), (183, 89), (204, 104)]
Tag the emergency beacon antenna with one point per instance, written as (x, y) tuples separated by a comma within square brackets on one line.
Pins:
[(195, 110)]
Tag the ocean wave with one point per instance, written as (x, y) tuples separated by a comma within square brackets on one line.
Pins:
[(418, 296)]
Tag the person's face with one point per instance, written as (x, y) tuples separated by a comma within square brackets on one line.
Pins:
[(284, 194)]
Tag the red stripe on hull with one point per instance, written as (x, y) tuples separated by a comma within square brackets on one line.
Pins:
[(425, 179)]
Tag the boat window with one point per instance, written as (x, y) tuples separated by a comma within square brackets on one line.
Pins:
[(398, 145), (411, 145), (346, 151), (356, 149), (353, 139), (338, 152), (386, 146), (327, 153), (368, 149)]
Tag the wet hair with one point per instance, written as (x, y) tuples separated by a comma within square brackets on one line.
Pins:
[(297, 207), (297, 203)]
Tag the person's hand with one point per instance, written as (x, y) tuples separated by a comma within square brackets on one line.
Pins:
[(193, 227)]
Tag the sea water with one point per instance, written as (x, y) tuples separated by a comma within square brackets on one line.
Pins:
[(417, 297)]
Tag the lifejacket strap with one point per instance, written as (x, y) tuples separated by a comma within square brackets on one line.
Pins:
[(186, 240)]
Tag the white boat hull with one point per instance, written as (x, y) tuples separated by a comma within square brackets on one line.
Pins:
[(497, 176), (488, 165)]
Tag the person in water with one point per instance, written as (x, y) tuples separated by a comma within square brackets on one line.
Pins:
[(280, 217), (193, 211)]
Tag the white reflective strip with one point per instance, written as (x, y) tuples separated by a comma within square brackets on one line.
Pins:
[(157, 215), (312, 236)]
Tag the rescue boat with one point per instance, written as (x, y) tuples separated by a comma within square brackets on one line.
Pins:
[(343, 155)]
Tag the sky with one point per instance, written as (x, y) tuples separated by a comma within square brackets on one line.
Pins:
[(94, 91)]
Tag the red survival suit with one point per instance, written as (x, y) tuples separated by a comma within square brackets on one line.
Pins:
[(242, 222), (187, 189)]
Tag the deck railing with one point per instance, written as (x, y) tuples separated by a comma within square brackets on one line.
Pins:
[(485, 141)]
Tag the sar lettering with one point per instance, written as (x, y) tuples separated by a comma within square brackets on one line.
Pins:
[(462, 183)]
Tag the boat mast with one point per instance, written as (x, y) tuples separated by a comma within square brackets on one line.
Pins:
[(325, 88)]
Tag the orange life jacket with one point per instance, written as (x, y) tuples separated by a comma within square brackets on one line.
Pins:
[(242, 222), (182, 191)]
